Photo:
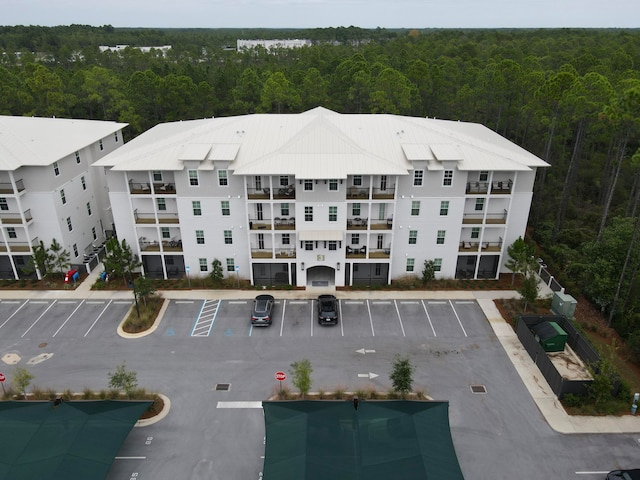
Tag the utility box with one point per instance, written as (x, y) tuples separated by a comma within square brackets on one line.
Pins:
[(563, 304), (551, 336)]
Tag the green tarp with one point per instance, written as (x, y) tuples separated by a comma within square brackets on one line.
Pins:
[(386, 440), (71, 440)]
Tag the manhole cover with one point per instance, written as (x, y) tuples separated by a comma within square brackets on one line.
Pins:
[(223, 386), (478, 389)]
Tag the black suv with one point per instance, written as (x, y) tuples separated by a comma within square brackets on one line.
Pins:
[(624, 474), (261, 314), (327, 310)]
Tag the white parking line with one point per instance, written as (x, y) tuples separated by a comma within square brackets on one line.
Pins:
[(13, 314), (428, 318), (456, 314), (341, 322), (312, 318), (11, 302), (122, 302), (381, 302), (38, 319), (436, 302), (353, 302), (130, 458), (239, 405), (65, 322), (96, 320), (284, 307), (373, 333), (39, 302), (399, 319), (236, 302), (464, 302), (206, 318), (409, 302), (94, 302), (180, 302), (298, 302), (67, 302)]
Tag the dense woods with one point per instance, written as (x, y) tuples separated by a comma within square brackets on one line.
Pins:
[(571, 97)]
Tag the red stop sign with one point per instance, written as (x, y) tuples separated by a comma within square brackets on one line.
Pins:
[(2, 377), (281, 376)]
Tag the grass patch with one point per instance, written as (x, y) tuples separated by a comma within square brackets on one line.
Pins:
[(148, 314)]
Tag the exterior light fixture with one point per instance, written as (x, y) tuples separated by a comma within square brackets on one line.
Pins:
[(338, 266), (301, 265)]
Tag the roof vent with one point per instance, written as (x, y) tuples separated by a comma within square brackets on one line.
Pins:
[(478, 389), (223, 386)]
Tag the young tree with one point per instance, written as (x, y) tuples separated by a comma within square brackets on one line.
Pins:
[(217, 274), (119, 259), (402, 375), (521, 259), (429, 271), (22, 379), (41, 260), (144, 288), (529, 289), (59, 258), (301, 373), (123, 379)]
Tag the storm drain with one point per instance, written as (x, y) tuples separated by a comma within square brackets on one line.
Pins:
[(223, 386), (478, 389)]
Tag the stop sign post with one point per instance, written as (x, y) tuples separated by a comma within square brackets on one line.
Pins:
[(281, 377)]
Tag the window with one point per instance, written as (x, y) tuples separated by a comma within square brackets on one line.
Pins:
[(115, 136), (440, 237), (479, 204), (157, 175), (437, 264), (63, 197), (484, 176), (415, 207), (286, 239), (308, 214), (194, 181), (284, 181), (200, 237), (89, 208), (357, 180), (203, 264), (447, 178), (231, 264), (3, 204), (333, 185), (444, 208), (165, 232), (355, 209), (418, 175), (284, 209), (223, 179), (308, 185), (93, 233), (333, 245), (411, 262), (308, 245), (11, 232), (162, 204), (333, 214), (69, 225), (197, 209), (77, 159), (226, 209), (75, 250), (378, 270), (475, 232), (100, 144), (228, 237), (355, 239), (84, 183), (56, 169), (413, 237)]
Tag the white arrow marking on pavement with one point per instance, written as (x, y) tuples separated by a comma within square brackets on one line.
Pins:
[(363, 351), (368, 375)]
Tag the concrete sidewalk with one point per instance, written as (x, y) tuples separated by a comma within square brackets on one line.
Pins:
[(540, 391)]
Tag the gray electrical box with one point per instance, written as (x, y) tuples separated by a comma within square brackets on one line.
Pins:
[(563, 304)]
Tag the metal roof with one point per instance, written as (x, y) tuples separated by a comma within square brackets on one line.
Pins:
[(39, 141), (320, 144)]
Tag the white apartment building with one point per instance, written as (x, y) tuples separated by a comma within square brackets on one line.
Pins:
[(48, 190), (321, 198)]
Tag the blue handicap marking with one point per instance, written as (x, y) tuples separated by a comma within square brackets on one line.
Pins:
[(228, 332), (170, 332)]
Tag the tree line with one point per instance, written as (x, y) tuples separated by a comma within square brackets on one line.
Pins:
[(570, 96)]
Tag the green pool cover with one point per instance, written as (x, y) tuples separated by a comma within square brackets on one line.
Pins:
[(72, 440), (390, 440)]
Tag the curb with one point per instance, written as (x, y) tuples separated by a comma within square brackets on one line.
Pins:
[(149, 331)]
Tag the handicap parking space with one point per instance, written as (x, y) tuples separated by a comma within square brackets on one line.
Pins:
[(178, 319)]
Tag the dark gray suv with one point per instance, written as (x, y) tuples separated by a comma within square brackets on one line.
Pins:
[(327, 310), (624, 474), (262, 307)]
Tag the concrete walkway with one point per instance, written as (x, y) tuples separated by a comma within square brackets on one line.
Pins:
[(540, 391)]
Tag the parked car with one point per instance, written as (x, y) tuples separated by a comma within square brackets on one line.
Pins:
[(633, 474), (327, 310), (262, 307)]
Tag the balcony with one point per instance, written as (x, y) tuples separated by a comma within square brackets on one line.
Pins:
[(136, 188), (258, 193), (381, 224), (357, 252), (472, 247), (260, 253), (384, 193), (21, 246), (150, 218), (286, 253), (164, 188), (477, 188), (355, 193), (501, 187), (357, 223), (285, 192), (7, 187), (491, 218), (284, 223), (260, 224), (380, 253), (174, 245), (15, 218)]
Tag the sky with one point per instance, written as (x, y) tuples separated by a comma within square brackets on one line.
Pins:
[(325, 13)]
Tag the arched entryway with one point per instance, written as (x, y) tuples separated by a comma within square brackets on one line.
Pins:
[(321, 276)]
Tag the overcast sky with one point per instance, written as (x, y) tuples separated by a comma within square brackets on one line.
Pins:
[(324, 13)]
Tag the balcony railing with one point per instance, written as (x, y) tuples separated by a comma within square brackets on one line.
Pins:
[(260, 224), (164, 188), (471, 247), (22, 246), (151, 217), (167, 245), (491, 218), (137, 188), (356, 252), (286, 253), (381, 224), (7, 187), (258, 193), (15, 218), (478, 187), (357, 193), (284, 223), (501, 187), (380, 253), (357, 223), (284, 192), (384, 193), (260, 253)]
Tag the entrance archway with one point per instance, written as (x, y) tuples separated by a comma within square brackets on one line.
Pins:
[(321, 276)]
